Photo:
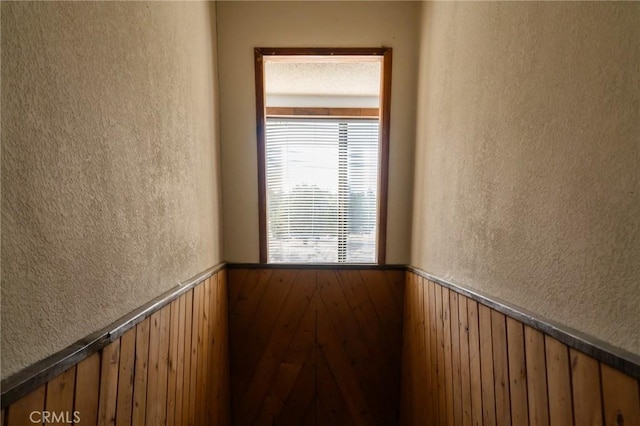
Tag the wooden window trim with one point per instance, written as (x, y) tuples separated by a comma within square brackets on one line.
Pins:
[(323, 112), (384, 114)]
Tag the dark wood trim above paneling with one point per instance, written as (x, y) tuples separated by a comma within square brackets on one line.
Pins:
[(617, 358), (21, 383), (323, 266)]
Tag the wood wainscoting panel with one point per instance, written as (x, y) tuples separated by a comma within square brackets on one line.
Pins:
[(145, 376), (315, 346), (498, 370)]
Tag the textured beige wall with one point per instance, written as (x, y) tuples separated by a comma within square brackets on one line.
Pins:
[(245, 25), (528, 158), (109, 164)]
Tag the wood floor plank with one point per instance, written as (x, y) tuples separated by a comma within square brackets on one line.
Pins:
[(465, 372), (124, 403), (586, 389), (109, 384), (60, 392), (501, 368), (517, 373), (558, 382), (621, 397), (486, 366), (536, 377)]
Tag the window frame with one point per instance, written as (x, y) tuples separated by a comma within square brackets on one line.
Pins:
[(385, 53)]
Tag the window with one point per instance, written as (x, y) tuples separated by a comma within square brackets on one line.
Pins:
[(322, 165)]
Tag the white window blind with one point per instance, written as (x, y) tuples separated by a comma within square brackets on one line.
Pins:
[(322, 190)]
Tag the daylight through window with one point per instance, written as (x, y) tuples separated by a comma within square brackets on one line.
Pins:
[(323, 121)]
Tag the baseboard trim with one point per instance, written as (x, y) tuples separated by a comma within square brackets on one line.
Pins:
[(615, 357), (21, 383)]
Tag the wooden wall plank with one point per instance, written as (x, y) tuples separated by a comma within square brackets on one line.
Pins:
[(517, 373), (621, 397), (425, 397), (87, 390), (109, 384), (455, 358), (188, 350), (151, 415), (124, 403), (406, 405), (60, 392), (20, 411), (486, 366), (141, 373), (448, 367), (214, 373), (144, 376), (265, 375), (339, 363), (501, 368), (586, 390), (465, 372), (222, 383), (204, 357), (180, 334), (536, 377), (500, 371), (442, 392), (163, 366), (433, 342), (419, 374), (474, 362), (173, 362), (353, 320), (558, 382), (195, 336)]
